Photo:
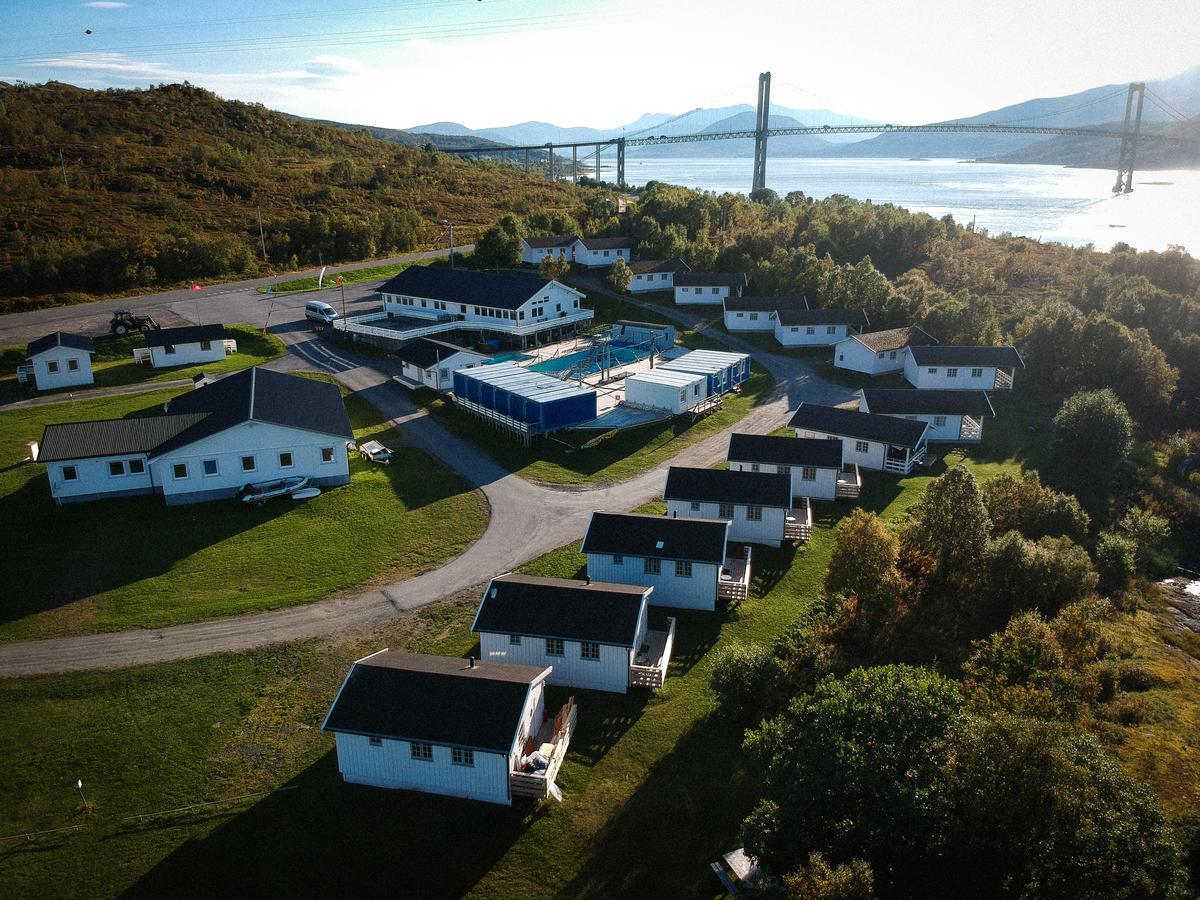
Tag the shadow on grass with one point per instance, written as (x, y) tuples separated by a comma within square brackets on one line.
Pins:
[(328, 838), (769, 566), (695, 634), (603, 719)]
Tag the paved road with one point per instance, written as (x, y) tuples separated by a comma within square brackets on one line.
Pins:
[(526, 521)]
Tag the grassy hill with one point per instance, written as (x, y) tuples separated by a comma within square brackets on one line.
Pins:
[(116, 191), (1173, 146)]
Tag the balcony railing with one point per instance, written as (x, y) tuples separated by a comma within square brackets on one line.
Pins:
[(557, 733), (361, 324), (648, 667), (24, 372), (849, 482), (733, 582), (1004, 380), (797, 525), (970, 430)]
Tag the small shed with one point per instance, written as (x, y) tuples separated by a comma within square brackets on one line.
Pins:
[(188, 346), (58, 360), (724, 370), (647, 335), (676, 392), (523, 402)]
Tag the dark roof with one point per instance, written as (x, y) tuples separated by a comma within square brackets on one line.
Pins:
[(465, 286), (711, 279), (661, 537), (656, 325), (608, 243), (759, 303), (434, 699), (895, 338), (645, 266), (189, 334), (1000, 357), (865, 426), (898, 401), (787, 451), (561, 608), (558, 240), (425, 353), (724, 486), (111, 437), (829, 316), (59, 339)]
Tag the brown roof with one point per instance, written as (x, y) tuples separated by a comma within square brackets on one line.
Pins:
[(895, 338)]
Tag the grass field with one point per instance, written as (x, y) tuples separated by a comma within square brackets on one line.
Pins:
[(349, 276), (639, 765), (113, 364), (134, 562)]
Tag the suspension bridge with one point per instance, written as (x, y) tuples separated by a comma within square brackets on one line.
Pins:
[(1128, 137)]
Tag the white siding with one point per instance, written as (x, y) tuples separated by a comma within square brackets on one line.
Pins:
[(823, 487), (94, 479), (594, 258), (391, 765), (798, 336), (652, 281), (441, 376), (187, 354), (948, 431), (856, 356), (768, 531), (645, 390), (740, 320), (697, 592), (872, 458), (685, 296), (551, 303), (939, 377), (62, 357), (533, 256)]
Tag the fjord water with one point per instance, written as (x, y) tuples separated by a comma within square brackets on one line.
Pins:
[(1050, 203)]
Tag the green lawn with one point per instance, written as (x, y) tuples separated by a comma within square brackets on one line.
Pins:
[(170, 735), (135, 562), (349, 276), (113, 364)]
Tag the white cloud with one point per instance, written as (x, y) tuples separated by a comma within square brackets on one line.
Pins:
[(106, 4), (117, 65)]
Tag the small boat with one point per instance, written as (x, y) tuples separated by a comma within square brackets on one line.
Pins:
[(306, 493), (268, 490)]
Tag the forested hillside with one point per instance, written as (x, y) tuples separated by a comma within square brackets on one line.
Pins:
[(119, 190)]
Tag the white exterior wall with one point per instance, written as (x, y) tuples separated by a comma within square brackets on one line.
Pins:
[(441, 376), (798, 336), (768, 531), (533, 256), (922, 378), (262, 440), (697, 592), (593, 258), (872, 458), (652, 281), (657, 395), (391, 766), (608, 673), (93, 480), (947, 431), (685, 296), (64, 377), (554, 300), (187, 354), (823, 487), (739, 320), (856, 356)]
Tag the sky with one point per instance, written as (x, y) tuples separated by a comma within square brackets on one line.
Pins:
[(602, 63)]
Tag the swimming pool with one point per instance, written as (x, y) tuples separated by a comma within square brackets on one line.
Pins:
[(507, 357), (619, 356)]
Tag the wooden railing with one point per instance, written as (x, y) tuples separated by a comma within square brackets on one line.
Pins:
[(24, 372), (735, 590), (970, 430), (653, 677), (540, 785), (1004, 381), (849, 483), (798, 525)]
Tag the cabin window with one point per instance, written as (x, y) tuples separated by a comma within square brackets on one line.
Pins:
[(683, 396), (179, 470), (891, 355), (618, 559), (932, 370), (116, 468), (808, 473), (714, 290), (880, 356), (740, 316), (423, 752), (136, 467), (831, 329), (753, 513), (977, 373), (939, 421), (326, 454), (206, 345), (606, 253), (809, 330), (554, 647), (248, 464), (695, 506), (514, 640), (461, 757), (285, 459), (753, 317), (795, 329), (652, 566), (952, 373), (209, 466), (683, 568), (753, 467), (375, 741), (70, 473), (52, 367), (725, 510), (783, 470), (862, 447), (589, 650), (72, 365)]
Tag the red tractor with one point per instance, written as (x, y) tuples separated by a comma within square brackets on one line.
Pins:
[(123, 322)]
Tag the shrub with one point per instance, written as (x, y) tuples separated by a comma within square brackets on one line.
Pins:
[(744, 678), (1116, 560)]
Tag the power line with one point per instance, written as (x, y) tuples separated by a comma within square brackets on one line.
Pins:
[(1059, 112)]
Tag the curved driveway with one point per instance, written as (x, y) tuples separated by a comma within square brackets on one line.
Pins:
[(526, 521)]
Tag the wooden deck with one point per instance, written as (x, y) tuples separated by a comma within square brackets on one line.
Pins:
[(733, 582), (849, 483), (649, 666), (557, 731), (797, 526)]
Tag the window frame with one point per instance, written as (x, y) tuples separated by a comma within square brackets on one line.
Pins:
[(808, 473), (141, 467), (52, 366), (175, 467), (862, 446), (589, 650), (116, 468), (651, 565), (216, 468), (74, 470), (514, 640), (253, 467), (461, 756), (726, 510), (291, 459), (421, 751), (754, 513), (556, 647), (376, 742), (328, 455), (683, 568)]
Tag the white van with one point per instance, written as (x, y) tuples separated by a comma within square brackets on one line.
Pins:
[(316, 311)]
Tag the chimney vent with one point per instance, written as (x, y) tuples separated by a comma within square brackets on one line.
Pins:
[(471, 659)]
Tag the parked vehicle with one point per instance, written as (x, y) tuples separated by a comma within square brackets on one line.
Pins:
[(321, 313), (375, 452), (123, 321), (262, 491)]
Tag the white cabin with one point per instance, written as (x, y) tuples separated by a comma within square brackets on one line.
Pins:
[(655, 275), (675, 392), (878, 352), (432, 364), (756, 313), (58, 360), (254, 426), (187, 346), (869, 441), (813, 465), (962, 368), (536, 249), (756, 504), (454, 727), (817, 327), (599, 252), (693, 288), (952, 416)]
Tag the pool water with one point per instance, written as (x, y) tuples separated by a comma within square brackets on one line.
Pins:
[(507, 357), (619, 356)]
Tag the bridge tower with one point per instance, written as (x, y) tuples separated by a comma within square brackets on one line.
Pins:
[(761, 126), (620, 162), (1129, 137)]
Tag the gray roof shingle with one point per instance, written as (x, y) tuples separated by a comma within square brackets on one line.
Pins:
[(1000, 357), (646, 266), (724, 486), (861, 425), (425, 353), (465, 286), (828, 316), (59, 339), (112, 437), (910, 401), (189, 334), (657, 537), (820, 453), (711, 279), (561, 608), (758, 303)]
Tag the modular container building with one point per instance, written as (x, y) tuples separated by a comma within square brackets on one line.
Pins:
[(676, 392), (527, 403), (645, 335), (724, 371)]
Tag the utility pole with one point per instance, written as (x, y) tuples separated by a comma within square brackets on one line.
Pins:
[(79, 787), (574, 164), (620, 162), (550, 161), (1129, 138), (450, 225), (761, 127), (342, 285), (261, 239), (64, 167)]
